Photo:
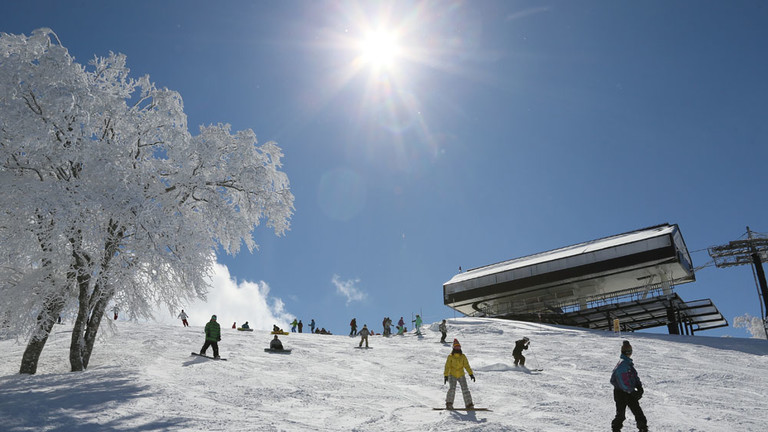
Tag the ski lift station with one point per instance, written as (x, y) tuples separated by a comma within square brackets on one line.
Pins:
[(628, 277)]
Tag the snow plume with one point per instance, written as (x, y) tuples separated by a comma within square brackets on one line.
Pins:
[(348, 288), (235, 301), (754, 325)]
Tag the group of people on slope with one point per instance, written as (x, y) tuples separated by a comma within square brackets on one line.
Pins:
[(627, 392), (387, 326), (627, 387)]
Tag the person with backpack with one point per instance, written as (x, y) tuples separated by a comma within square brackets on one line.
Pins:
[(184, 317), (443, 331), (364, 332), (353, 327), (627, 391), (517, 353), (455, 365), (212, 337)]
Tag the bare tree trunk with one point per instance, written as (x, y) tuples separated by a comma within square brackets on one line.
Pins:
[(93, 327), (83, 271), (45, 322), (92, 304)]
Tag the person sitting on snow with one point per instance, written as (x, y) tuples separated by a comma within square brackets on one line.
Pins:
[(276, 344), (245, 326)]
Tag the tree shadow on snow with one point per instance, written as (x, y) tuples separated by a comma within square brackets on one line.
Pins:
[(74, 401)]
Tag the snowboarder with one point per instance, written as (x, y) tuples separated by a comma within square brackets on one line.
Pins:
[(293, 325), (389, 326), (301, 326), (245, 326), (234, 325), (115, 310), (418, 324), (443, 330), (364, 335), (184, 317), (384, 327), (517, 353), (454, 371), (627, 391), (212, 337), (353, 327), (401, 323), (275, 344), (312, 325)]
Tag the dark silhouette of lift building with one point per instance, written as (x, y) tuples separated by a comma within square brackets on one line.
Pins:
[(630, 277)]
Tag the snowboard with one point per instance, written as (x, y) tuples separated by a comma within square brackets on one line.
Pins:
[(280, 333), (460, 409), (283, 351), (359, 347), (242, 329), (208, 357)]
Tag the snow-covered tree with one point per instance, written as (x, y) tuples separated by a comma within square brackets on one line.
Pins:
[(754, 325), (108, 197)]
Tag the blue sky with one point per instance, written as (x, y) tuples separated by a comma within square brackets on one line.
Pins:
[(502, 129)]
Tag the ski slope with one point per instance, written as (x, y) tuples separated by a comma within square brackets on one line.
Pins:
[(143, 378)]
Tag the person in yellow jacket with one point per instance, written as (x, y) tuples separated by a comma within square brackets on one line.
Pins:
[(454, 371)]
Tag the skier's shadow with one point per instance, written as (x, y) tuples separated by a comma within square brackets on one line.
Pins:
[(468, 416)]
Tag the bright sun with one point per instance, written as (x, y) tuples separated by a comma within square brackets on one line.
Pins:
[(380, 49)]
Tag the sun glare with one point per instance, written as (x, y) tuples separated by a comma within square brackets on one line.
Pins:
[(380, 49)]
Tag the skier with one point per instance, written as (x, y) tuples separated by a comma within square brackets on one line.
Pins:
[(115, 310), (301, 326), (364, 335), (627, 391), (418, 324), (312, 325), (454, 371), (443, 331), (245, 326), (517, 353), (293, 325), (275, 344), (353, 327), (212, 337), (184, 317)]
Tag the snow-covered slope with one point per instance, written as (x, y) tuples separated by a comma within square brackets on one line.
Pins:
[(142, 377)]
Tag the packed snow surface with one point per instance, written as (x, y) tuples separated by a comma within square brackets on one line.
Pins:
[(143, 378)]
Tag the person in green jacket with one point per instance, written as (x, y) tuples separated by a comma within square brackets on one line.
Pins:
[(454, 372), (212, 337), (418, 322)]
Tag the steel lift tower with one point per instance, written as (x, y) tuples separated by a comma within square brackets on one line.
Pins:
[(754, 251)]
